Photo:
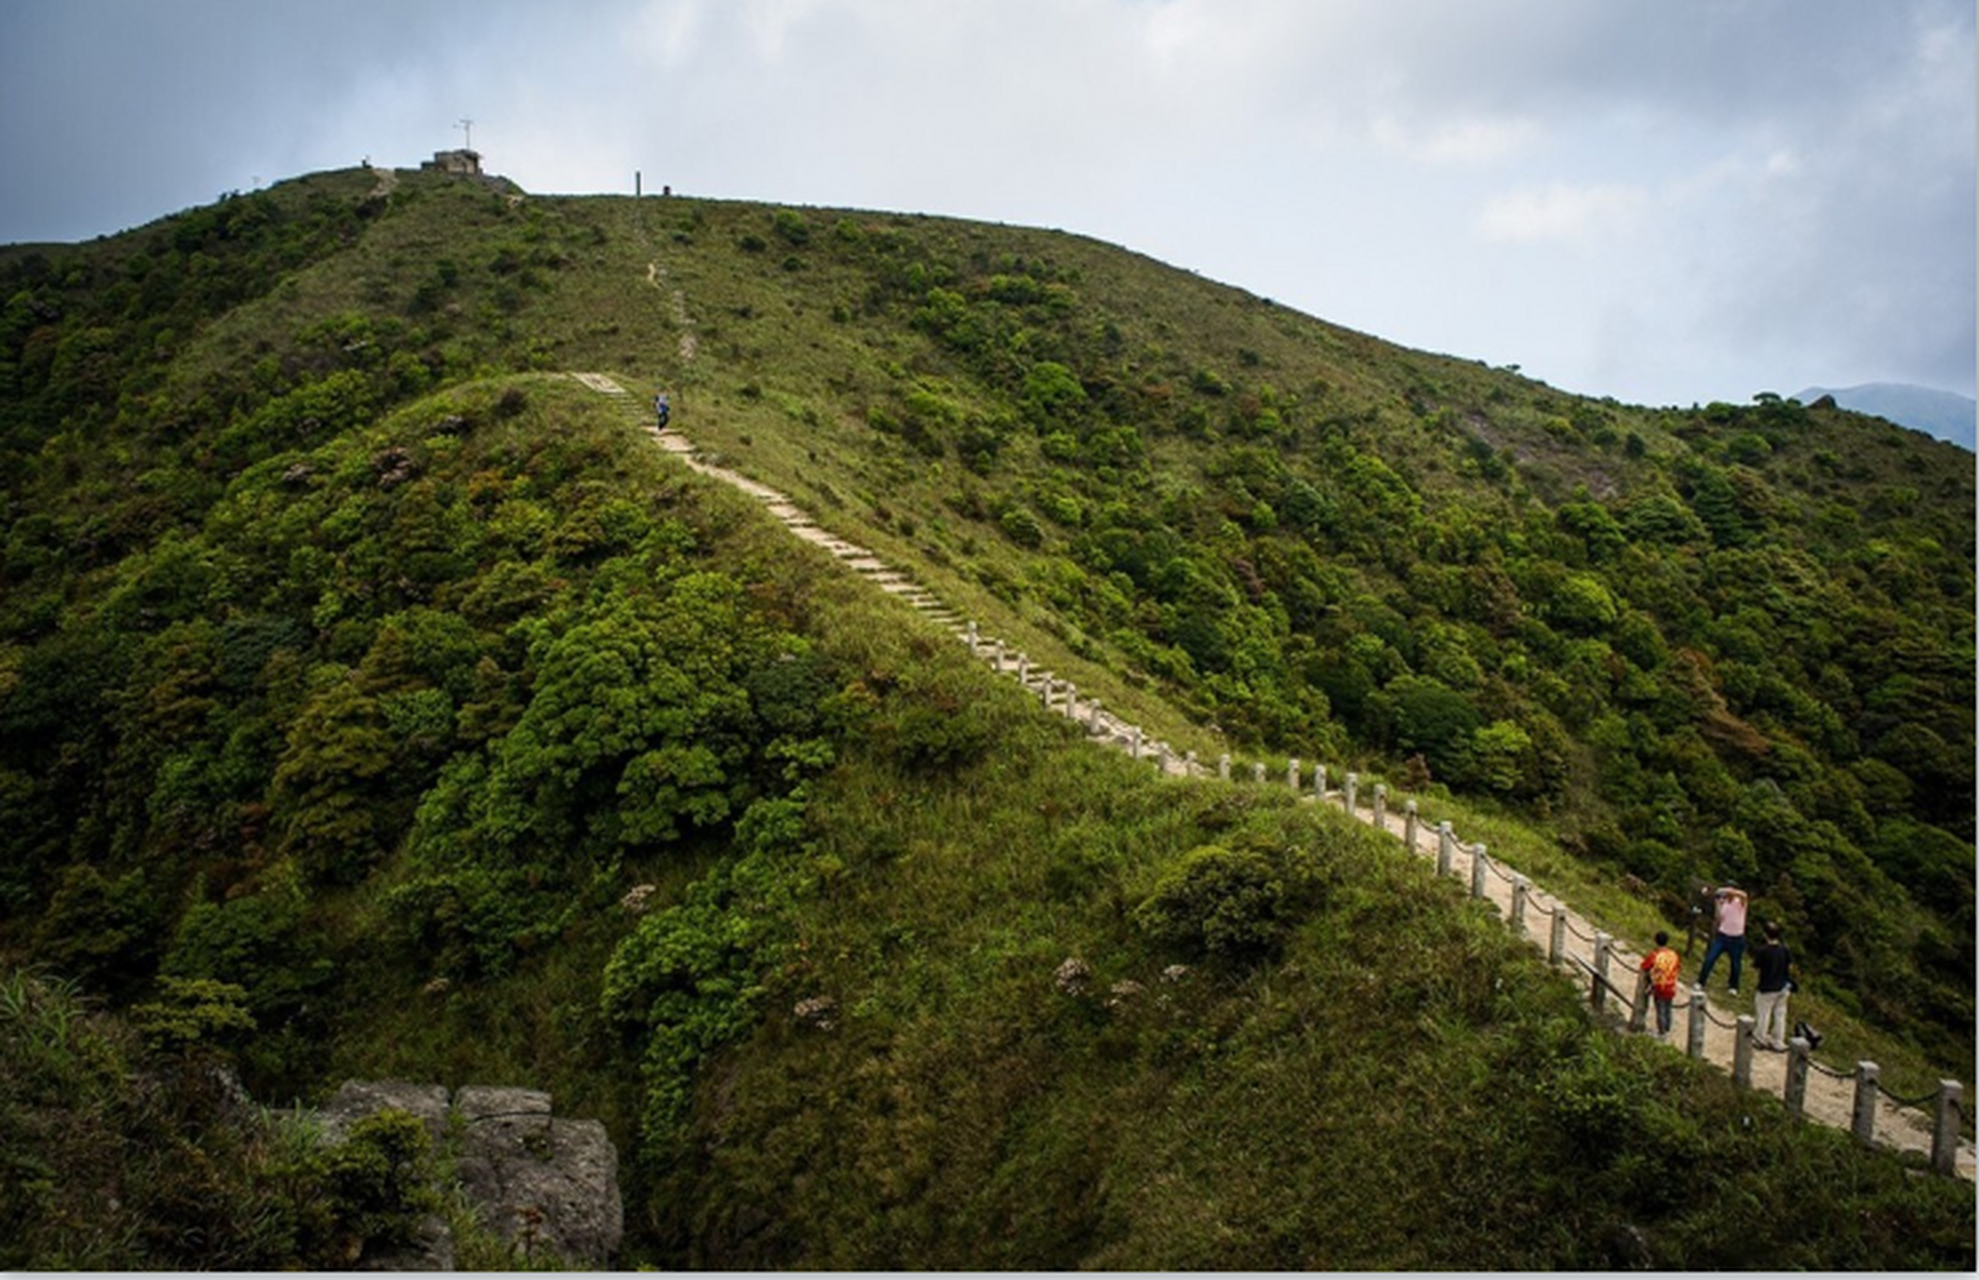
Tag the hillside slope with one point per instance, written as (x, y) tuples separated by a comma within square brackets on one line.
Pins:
[(346, 661)]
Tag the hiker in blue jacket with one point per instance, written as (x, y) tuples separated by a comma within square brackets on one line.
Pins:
[(661, 409)]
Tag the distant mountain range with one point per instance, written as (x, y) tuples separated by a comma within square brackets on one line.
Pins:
[(1944, 414)]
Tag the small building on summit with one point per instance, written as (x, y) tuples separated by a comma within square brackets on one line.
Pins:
[(462, 161)]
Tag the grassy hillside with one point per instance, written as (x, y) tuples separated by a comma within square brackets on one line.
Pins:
[(354, 660)]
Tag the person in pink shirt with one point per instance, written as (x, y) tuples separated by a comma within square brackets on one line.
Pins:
[(1728, 938)]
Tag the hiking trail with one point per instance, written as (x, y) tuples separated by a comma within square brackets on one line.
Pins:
[(1542, 919)]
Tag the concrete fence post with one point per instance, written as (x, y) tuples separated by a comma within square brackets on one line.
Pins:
[(1044, 687), (1480, 863), (1521, 895), (1353, 781), (1944, 1129), (1864, 1120), (1410, 822), (1556, 938), (1162, 757), (1694, 1028), (1380, 806), (1023, 670), (1223, 766), (1742, 1052), (1136, 749), (1257, 772), (1602, 944), (1446, 841), (1796, 1091), (1189, 764), (972, 638), (1639, 1007), (1319, 782), (1092, 719), (996, 658), (1071, 699), (1292, 774)]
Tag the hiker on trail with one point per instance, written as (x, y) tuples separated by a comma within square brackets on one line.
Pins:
[(1661, 964), (1769, 1007), (661, 409), (1729, 937)]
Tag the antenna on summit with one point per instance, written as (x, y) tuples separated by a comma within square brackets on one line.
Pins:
[(466, 126)]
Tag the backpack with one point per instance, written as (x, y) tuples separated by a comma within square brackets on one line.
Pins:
[(1802, 1031)]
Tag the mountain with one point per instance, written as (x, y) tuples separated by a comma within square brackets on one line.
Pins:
[(378, 702), (1944, 414)]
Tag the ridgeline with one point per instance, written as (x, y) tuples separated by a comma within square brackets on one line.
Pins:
[(377, 702)]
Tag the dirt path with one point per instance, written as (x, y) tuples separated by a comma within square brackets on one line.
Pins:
[(656, 275)]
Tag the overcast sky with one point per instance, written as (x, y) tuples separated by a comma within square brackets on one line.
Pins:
[(1667, 202)]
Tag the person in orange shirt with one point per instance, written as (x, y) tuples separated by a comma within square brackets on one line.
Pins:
[(1661, 964)]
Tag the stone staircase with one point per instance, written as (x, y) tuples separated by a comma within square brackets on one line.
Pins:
[(1058, 695)]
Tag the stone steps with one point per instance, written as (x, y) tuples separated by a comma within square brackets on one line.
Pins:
[(895, 582)]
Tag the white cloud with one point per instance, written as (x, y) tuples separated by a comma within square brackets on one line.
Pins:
[(1474, 140), (663, 32), (1561, 211)]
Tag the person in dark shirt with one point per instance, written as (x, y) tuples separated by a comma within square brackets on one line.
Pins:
[(1769, 1008)]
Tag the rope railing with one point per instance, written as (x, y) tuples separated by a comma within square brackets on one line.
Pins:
[(1915, 1104), (1542, 900), (1589, 969)]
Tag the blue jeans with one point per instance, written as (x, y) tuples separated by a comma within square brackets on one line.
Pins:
[(1721, 945)]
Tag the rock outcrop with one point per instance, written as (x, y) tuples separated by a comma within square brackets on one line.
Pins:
[(547, 1185)]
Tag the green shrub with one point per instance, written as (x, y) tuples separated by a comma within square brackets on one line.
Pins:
[(379, 1178), (193, 1011), (1023, 527), (931, 721), (792, 226), (1232, 905), (1053, 389)]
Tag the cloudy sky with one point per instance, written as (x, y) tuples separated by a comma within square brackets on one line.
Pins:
[(1668, 202)]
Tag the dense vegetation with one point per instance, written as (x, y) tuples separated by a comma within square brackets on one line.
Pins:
[(352, 676)]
